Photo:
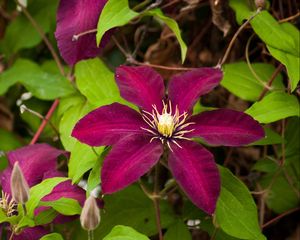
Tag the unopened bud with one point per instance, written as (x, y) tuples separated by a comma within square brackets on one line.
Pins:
[(19, 185), (90, 214), (23, 3), (23, 108), (260, 4)]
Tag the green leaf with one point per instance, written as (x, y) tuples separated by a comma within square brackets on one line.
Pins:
[(43, 12), (41, 84), (291, 63), (83, 157), (133, 208), (207, 225), (266, 165), (282, 40), (292, 140), (96, 82), (273, 107), (65, 206), (271, 32), (270, 138), (178, 231), (236, 212), (5, 218), (94, 176), (25, 221), (281, 196), (172, 24), (52, 236), (45, 217), (124, 233), (40, 190), (115, 13), (8, 141), (267, 28), (242, 9), (239, 80)]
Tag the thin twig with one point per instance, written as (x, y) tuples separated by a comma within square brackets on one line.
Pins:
[(133, 61), (156, 202), (143, 35), (250, 66), (289, 18), (282, 160), (125, 53), (40, 116), (45, 121), (270, 82), (280, 216), (236, 35)]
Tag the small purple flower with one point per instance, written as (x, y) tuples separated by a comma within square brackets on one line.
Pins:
[(139, 138), (39, 162), (75, 17)]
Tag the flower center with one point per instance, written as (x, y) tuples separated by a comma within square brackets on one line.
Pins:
[(167, 126)]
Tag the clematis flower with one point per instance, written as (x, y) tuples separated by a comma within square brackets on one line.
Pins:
[(75, 18), (39, 162), (165, 121)]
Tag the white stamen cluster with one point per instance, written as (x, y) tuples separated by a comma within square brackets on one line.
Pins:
[(167, 126), (8, 206)]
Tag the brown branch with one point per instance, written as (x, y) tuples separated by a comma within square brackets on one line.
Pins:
[(280, 216), (133, 61), (270, 82), (223, 60), (44, 122), (289, 18)]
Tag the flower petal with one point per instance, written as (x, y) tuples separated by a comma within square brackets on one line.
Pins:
[(141, 86), (185, 89), (34, 160), (63, 190), (128, 160), (75, 17), (226, 127), (31, 233), (107, 124), (195, 171)]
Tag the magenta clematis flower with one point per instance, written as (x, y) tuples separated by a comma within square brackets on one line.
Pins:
[(76, 17), (39, 162), (165, 120)]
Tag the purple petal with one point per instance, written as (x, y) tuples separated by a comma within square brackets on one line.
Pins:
[(226, 127), (185, 89), (75, 17), (107, 124), (34, 160), (195, 171), (34, 233), (141, 86), (128, 161), (62, 190)]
